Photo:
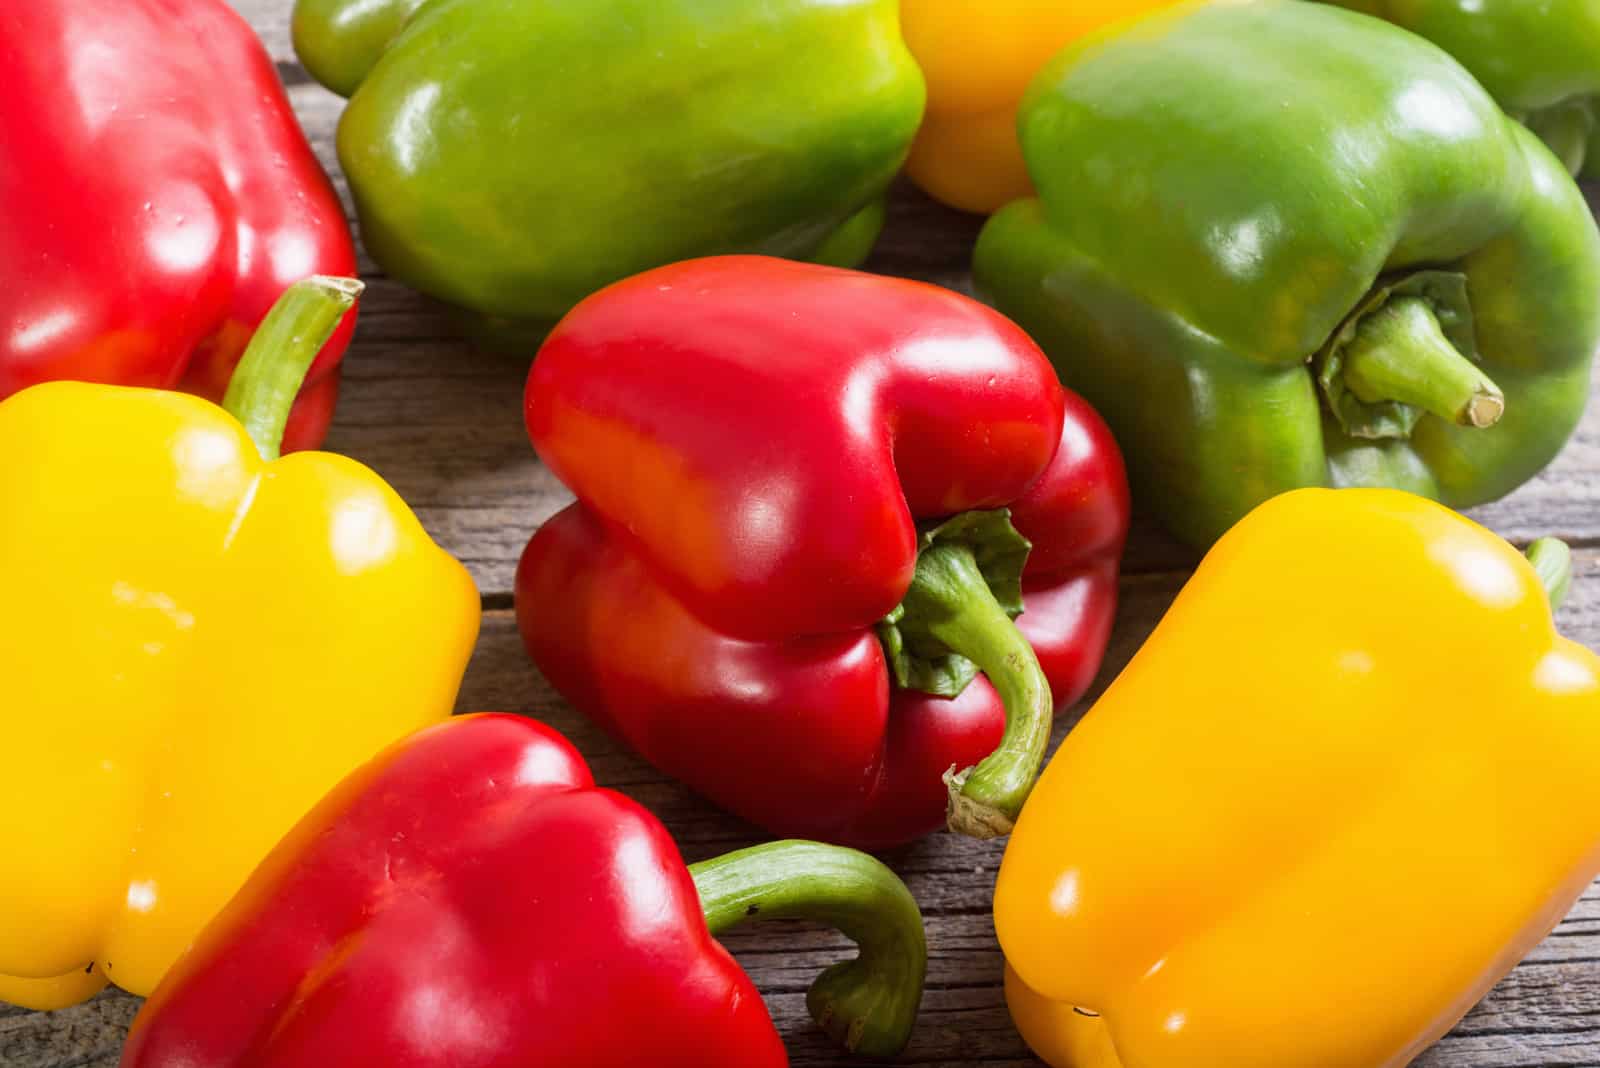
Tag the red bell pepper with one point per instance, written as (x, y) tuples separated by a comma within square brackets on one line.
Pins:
[(469, 899), (156, 196), (792, 488)]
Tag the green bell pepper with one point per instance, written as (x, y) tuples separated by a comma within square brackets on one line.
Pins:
[(1541, 60), (513, 156), (1279, 244)]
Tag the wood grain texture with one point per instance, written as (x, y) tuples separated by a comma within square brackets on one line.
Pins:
[(442, 422)]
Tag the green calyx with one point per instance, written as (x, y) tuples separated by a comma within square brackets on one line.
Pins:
[(1407, 351), (869, 1004), (268, 378), (955, 620), (918, 659)]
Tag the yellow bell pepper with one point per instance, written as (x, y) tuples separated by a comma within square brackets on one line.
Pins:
[(1347, 784), (978, 60), (198, 641)]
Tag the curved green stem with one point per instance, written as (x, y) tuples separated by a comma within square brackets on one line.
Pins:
[(1400, 354), (274, 365), (950, 602), (1552, 559), (868, 1004)]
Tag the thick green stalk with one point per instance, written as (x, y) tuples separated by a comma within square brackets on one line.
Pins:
[(868, 1004), (952, 603), (281, 352), (1400, 354)]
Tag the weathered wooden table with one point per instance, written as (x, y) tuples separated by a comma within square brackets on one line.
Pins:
[(443, 423)]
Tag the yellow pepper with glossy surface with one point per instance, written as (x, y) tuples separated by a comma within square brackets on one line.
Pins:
[(197, 643), (978, 61), (1347, 784)]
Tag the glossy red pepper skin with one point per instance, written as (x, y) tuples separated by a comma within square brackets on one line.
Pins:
[(156, 196), (467, 900), (752, 443)]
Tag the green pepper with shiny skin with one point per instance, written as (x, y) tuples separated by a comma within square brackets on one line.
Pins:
[(513, 156), (1539, 58), (1279, 244)]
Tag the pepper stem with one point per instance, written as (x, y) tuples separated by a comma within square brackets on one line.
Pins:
[(1400, 354), (868, 1004), (1552, 559), (274, 365), (951, 603)]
